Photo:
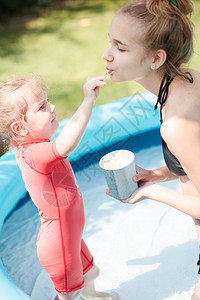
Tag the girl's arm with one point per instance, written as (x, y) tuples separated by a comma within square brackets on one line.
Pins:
[(72, 133)]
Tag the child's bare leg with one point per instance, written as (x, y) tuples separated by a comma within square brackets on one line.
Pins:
[(71, 296), (196, 295), (89, 292)]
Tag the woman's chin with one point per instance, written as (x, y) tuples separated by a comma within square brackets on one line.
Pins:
[(117, 79), (114, 78)]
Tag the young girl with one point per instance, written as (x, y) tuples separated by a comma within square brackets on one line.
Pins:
[(28, 121), (150, 43)]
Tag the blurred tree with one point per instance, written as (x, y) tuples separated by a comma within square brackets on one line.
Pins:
[(13, 7)]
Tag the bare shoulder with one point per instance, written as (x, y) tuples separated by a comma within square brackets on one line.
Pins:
[(179, 131), (193, 87), (184, 99), (182, 110), (195, 74), (184, 84)]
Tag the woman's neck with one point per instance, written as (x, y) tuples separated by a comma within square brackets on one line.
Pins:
[(152, 81)]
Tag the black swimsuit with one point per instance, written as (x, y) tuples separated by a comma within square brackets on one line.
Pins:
[(171, 161)]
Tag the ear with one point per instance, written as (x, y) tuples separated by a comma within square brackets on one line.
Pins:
[(18, 128), (159, 59)]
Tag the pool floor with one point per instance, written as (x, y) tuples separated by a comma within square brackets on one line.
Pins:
[(144, 251)]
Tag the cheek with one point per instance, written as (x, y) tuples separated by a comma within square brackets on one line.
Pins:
[(127, 65), (56, 125)]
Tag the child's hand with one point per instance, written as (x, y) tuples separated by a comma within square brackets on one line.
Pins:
[(92, 86)]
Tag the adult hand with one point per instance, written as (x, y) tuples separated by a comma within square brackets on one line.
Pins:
[(140, 194), (142, 176), (144, 179)]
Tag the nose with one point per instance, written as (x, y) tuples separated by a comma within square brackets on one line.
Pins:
[(53, 108), (107, 55)]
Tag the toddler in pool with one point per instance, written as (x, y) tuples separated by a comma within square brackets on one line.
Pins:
[(28, 121)]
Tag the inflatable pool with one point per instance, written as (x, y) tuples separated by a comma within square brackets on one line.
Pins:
[(130, 123)]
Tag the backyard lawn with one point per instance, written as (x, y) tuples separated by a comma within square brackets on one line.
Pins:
[(64, 46)]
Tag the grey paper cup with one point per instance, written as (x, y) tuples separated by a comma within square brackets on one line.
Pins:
[(118, 169)]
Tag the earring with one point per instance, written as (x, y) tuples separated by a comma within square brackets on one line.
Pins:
[(153, 67)]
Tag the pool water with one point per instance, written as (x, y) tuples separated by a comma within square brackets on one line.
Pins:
[(144, 251)]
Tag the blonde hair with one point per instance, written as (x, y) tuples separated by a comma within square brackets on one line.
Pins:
[(14, 105), (165, 26)]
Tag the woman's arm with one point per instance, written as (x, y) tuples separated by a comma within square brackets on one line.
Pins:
[(183, 140), (72, 133), (185, 203)]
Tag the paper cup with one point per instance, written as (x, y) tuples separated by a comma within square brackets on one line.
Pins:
[(119, 169)]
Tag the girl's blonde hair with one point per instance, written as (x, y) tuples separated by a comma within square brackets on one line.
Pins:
[(14, 94), (165, 24)]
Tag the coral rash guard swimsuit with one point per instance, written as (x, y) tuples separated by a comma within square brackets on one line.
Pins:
[(50, 182)]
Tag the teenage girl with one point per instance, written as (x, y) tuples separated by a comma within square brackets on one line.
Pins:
[(151, 41), (28, 121)]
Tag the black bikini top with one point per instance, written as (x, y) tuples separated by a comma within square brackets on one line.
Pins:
[(171, 161)]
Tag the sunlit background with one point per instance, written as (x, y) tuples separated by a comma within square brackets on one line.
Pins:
[(62, 42)]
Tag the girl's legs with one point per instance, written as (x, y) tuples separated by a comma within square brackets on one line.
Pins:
[(195, 297), (71, 296), (89, 292)]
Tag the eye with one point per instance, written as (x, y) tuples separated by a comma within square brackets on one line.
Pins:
[(121, 49), (42, 107)]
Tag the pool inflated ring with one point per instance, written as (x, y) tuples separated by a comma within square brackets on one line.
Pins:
[(111, 127)]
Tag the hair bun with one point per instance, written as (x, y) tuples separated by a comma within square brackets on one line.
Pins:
[(169, 7)]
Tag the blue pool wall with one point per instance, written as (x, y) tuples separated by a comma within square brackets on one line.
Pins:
[(130, 123)]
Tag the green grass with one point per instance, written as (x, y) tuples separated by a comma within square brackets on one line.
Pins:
[(64, 46)]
